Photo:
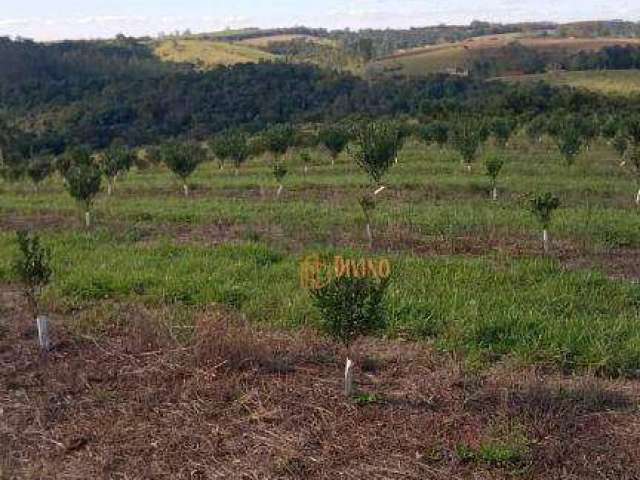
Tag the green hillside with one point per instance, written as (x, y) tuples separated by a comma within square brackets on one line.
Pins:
[(507, 50), (622, 82)]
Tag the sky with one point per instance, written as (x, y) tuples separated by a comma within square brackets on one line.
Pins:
[(73, 19)]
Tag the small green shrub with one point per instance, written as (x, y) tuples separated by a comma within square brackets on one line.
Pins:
[(32, 267), (350, 307), (542, 206)]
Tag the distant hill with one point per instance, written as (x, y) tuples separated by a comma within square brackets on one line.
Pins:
[(610, 82), (460, 57)]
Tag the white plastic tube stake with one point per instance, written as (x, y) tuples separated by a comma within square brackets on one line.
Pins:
[(348, 378), (43, 332)]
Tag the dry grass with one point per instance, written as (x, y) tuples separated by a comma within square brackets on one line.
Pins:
[(208, 53), (619, 82), (261, 42), (119, 406)]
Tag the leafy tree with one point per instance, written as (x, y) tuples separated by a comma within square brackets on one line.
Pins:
[(493, 165), (542, 206), (467, 136), (501, 129), (82, 180), (435, 132), (570, 138), (182, 159), (335, 139), (349, 308), (374, 149), (279, 139), (114, 161), (32, 267), (231, 145)]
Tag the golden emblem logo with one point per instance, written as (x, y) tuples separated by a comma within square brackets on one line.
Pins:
[(317, 272)]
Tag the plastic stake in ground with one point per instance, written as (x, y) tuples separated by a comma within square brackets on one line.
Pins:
[(43, 332), (545, 240), (348, 378)]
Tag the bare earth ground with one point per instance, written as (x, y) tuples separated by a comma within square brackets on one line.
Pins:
[(236, 403)]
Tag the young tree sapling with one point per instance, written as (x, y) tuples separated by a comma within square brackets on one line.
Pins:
[(114, 161), (32, 268), (542, 206), (305, 158), (82, 180), (493, 165), (374, 149), (436, 132), (467, 136), (334, 138), (231, 145), (501, 129), (182, 159), (350, 307), (279, 172)]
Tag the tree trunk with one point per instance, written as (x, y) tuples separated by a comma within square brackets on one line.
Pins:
[(279, 192), (185, 188), (348, 378), (494, 194), (545, 240), (87, 218)]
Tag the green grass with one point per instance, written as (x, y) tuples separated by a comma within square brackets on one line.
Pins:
[(488, 304)]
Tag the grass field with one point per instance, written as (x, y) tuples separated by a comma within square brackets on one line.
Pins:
[(208, 53), (610, 82), (469, 273), (186, 348), (439, 58)]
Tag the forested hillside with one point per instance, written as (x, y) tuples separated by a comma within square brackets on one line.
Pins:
[(96, 92)]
